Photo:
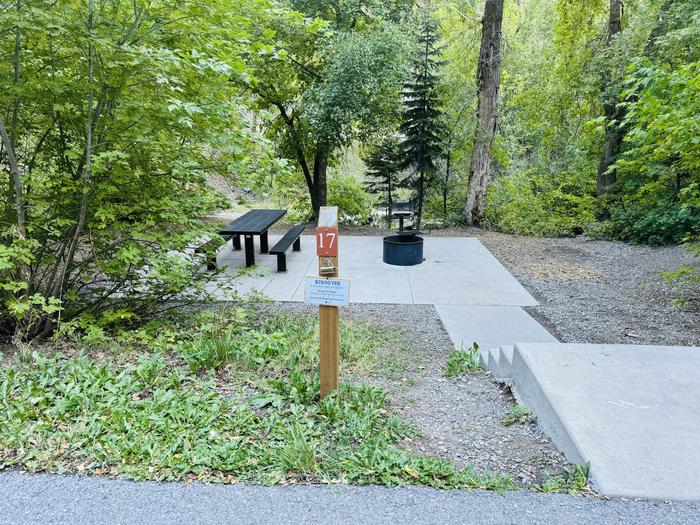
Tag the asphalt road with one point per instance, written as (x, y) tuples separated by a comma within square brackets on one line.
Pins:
[(48, 499)]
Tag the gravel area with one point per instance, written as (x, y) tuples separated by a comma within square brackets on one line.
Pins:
[(601, 291), (459, 417), (593, 291)]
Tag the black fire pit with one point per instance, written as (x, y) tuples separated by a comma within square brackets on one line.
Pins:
[(406, 247)]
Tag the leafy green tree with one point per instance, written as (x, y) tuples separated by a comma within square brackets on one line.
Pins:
[(112, 113), (422, 125), (333, 78)]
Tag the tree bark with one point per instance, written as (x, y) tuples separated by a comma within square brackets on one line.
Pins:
[(16, 181), (488, 78), (446, 184), (320, 179), (613, 135), (421, 197)]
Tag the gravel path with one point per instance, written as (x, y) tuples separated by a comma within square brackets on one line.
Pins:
[(45, 500), (460, 417)]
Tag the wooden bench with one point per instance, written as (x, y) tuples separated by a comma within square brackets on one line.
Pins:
[(291, 237), (210, 249)]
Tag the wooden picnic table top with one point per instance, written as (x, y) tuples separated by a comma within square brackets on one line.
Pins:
[(255, 222)]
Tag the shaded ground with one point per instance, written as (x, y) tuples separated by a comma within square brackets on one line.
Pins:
[(595, 291), (460, 417)]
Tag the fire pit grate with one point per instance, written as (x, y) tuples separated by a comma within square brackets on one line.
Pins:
[(406, 247)]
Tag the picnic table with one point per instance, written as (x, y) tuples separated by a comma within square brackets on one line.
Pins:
[(255, 222)]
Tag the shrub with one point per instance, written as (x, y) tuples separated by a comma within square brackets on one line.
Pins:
[(658, 174), (354, 203), (536, 205)]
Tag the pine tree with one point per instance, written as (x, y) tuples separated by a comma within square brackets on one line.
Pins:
[(422, 121), (382, 169)]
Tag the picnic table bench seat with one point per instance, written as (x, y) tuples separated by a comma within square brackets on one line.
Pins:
[(289, 238)]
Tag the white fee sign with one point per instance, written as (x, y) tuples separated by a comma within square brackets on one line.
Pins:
[(328, 291)]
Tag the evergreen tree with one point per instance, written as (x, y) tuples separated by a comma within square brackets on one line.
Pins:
[(382, 169), (422, 121)]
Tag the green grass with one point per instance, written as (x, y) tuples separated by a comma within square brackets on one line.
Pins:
[(573, 480), (224, 398), (518, 414), (461, 362)]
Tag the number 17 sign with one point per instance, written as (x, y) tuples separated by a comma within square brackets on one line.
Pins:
[(327, 241)]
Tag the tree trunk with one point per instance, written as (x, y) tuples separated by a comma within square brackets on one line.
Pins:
[(421, 191), (613, 134), (16, 179), (488, 78), (320, 180), (390, 201), (445, 187)]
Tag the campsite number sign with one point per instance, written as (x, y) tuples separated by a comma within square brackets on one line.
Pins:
[(327, 241)]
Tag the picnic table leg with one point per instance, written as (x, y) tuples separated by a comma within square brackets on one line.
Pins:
[(263, 242), (236, 240), (249, 251), (296, 247)]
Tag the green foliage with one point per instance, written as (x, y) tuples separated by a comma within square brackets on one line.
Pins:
[(148, 418), (382, 168), (532, 205), (355, 204), (685, 279), (117, 111), (422, 126), (659, 173), (461, 362), (227, 345), (518, 414), (332, 77), (572, 481)]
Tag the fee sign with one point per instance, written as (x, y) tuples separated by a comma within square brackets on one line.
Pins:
[(327, 291)]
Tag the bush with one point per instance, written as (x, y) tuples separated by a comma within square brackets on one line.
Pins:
[(355, 205), (535, 205), (658, 174), (97, 222), (654, 221)]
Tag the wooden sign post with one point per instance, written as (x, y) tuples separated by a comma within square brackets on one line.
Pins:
[(327, 251)]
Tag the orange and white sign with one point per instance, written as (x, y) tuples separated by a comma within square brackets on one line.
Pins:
[(327, 241)]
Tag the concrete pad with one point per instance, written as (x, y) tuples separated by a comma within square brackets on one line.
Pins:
[(466, 283), (633, 412), (457, 270), (372, 282), (283, 286), (490, 326)]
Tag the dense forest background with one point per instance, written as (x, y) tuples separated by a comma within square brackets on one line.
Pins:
[(548, 117)]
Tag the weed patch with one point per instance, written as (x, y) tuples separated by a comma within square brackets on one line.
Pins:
[(518, 414), (573, 480), (462, 362)]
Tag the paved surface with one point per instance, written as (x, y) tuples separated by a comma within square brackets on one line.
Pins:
[(44, 499), (491, 326), (633, 412), (457, 270)]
